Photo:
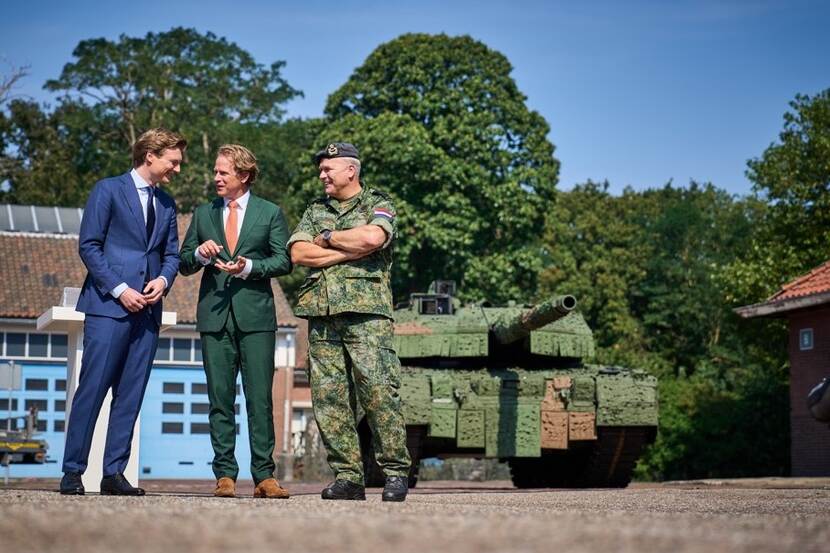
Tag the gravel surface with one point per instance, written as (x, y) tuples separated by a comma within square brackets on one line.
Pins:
[(459, 517)]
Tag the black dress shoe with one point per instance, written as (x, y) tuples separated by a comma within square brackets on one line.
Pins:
[(395, 489), (118, 485), (71, 484), (343, 489)]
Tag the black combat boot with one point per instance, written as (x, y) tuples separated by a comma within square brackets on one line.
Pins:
[(343, 489), (395, 489)]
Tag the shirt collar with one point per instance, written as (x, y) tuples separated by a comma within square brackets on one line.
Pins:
[(137, 180), (241, 201)]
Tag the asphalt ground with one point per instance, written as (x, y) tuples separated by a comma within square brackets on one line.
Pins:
[(755, 515)]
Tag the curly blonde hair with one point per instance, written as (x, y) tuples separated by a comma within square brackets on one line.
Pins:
[(243, 159)]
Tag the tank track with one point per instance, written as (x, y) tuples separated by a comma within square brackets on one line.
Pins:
[(606, 463)]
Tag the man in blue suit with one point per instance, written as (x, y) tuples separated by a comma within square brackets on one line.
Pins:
[(129, 244)]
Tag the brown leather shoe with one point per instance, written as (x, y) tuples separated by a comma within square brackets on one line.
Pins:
[(225, 487), (271, 489)]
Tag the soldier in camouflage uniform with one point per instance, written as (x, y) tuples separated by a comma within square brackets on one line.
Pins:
[(345, 238)]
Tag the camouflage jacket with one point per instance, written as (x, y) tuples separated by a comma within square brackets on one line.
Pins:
[(359, 286)]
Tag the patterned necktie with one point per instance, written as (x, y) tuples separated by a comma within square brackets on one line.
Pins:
[(151, 211), (231, 229)]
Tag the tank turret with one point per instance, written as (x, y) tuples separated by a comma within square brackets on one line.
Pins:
[(509, 328)]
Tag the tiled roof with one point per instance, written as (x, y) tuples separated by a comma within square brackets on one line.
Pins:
[(816, 281), (35, 268)]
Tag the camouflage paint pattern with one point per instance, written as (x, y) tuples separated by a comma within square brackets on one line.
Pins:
[(359, 286), (354, 370)]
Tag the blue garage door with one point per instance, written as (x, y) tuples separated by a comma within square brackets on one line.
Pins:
[(175, 436)]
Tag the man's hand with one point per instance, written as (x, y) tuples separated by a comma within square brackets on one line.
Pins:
[(209, 249), (320, 241), (153, 291), (132, 300), (233, 267)]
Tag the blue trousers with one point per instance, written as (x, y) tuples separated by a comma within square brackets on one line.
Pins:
[(118, 354)]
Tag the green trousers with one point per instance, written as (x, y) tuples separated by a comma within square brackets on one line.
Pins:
[(225, 353), (353, 364)]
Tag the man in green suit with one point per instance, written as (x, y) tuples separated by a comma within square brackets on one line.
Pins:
[(239, 239)]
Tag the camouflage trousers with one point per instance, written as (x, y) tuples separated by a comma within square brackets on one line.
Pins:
[(354, 370)]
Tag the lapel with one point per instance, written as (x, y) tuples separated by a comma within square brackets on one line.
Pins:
[(130, 194), (219, 227), (252, 214)]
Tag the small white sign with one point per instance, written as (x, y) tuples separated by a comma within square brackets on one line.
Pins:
[(805, 339), (10, 375)]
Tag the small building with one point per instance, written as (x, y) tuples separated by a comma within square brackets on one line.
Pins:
[(805, 303), (38, 259)]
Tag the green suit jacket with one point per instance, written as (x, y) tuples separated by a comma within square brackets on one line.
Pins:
[(262, 240)]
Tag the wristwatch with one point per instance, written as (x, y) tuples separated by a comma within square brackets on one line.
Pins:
[(326, 234)]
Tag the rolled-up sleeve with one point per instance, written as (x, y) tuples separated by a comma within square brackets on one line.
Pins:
[(304, 232)]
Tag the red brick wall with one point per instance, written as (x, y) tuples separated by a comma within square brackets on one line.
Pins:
[(810, 440)]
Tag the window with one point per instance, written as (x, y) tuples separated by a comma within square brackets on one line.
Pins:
[(199, 408), (181, 349), (40, 426), (59, 346), (236, 408), (39, 404), (163, 351), (805, 339), (15, 344), (200, 428), (237, 429), (172, 428), (37, 384), (60, 405), (173, 387), (60, 384), (198, 388), (38, 345), (59, 426), (169, 407), (4, 405)]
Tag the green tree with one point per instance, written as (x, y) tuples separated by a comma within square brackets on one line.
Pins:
[(54, 158), (598, 251), (201, 85), (792, 177), (442, 127), (693, 232)]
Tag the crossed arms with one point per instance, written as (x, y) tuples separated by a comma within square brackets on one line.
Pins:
[(345, 245)]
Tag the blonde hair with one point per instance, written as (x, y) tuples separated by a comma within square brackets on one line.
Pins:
[(156, 140), (243, 159)]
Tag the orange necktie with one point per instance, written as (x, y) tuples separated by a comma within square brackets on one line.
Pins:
[(231, 229)]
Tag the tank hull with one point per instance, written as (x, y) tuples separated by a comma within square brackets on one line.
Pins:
[(581, 426)]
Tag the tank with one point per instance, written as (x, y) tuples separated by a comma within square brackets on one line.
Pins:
[(509, 383)]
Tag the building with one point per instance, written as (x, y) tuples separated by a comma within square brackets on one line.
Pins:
[(805, 303), (38, 259)]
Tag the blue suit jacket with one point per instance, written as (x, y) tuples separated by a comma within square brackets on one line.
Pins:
[(114, 247)]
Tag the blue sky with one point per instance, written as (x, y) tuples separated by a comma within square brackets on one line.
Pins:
[(635, 92)]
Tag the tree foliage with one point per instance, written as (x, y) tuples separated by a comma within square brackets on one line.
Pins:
[(792, 180), (443, 128), (201, 85)]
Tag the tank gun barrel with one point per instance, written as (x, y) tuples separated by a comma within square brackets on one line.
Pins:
[(508, 329)]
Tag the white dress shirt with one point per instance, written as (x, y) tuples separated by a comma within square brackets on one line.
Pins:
[(241, 209), (143, 189)]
